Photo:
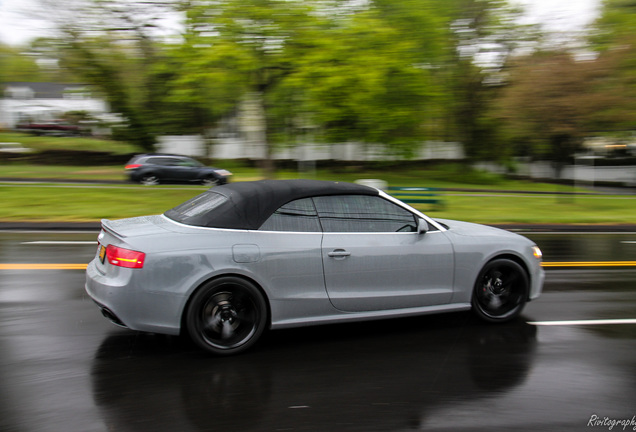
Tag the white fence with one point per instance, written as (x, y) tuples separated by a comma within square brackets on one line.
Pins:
[(237, 148), (584, 172)]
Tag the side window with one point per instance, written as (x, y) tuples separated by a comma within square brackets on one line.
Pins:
[(173, 162), (361, 213), (160, 161), (295, 216), (187, 163)]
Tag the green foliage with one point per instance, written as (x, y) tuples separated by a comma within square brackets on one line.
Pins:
[(44, 142), (15, 66), (485, 35), (383, 72), (615, 24), (199, 87), (239, 50), (615, 42), (105, 65), (552, 101), (368, 84)]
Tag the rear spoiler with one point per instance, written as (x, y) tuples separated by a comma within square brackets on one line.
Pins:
[(107, 226)]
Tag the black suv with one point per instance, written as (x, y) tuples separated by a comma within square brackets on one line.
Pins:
[(152, 169)]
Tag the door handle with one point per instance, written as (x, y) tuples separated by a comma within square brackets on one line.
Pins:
[(339, 253)]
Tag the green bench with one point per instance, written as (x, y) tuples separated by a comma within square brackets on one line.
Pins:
[(417, 195)]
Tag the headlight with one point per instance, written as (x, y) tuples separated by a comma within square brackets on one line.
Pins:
[(537, 252), (223, 172)]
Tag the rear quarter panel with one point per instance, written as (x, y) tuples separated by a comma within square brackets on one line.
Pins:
[(287, 266)]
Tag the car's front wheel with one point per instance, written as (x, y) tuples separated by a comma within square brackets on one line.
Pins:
[(501, 291), (226, 315)]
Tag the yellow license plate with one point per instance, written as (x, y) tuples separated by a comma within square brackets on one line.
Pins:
[(102, 253)]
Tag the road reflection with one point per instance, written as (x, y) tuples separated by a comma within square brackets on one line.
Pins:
[(64, 367), (586, 247), (372, 376)]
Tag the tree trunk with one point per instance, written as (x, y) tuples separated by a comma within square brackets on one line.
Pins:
[(255, 130)]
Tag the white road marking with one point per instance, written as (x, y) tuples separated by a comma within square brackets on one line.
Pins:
[(583, 322), (628, 242), (42, 242)]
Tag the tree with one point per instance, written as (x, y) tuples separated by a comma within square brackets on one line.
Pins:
[(384, 72), (552, 101), (387, 72), (614, 25), (614, 42), (197, 88), (16, 66), (245, 49), (367, 82), (397, 72), (110, 45)]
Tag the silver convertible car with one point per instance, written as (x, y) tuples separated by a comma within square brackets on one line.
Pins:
[(241, 258)]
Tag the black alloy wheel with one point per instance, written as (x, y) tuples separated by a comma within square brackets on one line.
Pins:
[(149, 180), (501, 291), (210, 181), (226, 316)]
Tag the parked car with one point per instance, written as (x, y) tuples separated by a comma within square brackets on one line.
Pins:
[(152, 169), (55, 127), (244, 257)]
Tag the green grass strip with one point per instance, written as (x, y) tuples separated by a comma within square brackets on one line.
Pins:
[(91, 203)]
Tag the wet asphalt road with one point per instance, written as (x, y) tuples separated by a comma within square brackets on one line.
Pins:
[(65, 368)]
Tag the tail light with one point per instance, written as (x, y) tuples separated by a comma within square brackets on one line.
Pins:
[(132, 166), (124, 257)]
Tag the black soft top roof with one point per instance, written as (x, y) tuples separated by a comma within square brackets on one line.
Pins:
[(247, 205)]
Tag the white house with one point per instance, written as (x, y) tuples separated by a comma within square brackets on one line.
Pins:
[(43, 102)]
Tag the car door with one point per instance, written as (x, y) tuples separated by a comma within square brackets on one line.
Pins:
[(291, 264), (375, 259), (181, 170)]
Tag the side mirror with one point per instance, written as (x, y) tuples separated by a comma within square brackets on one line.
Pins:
[(422, 226)]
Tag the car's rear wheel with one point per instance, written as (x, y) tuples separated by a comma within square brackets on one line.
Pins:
[(501, 291), (226, 315), (149, 180), (210, 181)]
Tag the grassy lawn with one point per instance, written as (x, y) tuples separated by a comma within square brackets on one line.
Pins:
[(538, 209), (92, 203), (23, 171), (50, 202), (44, 142)]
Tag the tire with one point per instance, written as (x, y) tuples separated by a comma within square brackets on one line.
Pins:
[(149, 180), (501, 291), (226, 316), (210, 181)]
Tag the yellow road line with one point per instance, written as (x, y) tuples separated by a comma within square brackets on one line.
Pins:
[(43, 266), (590, 264)]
